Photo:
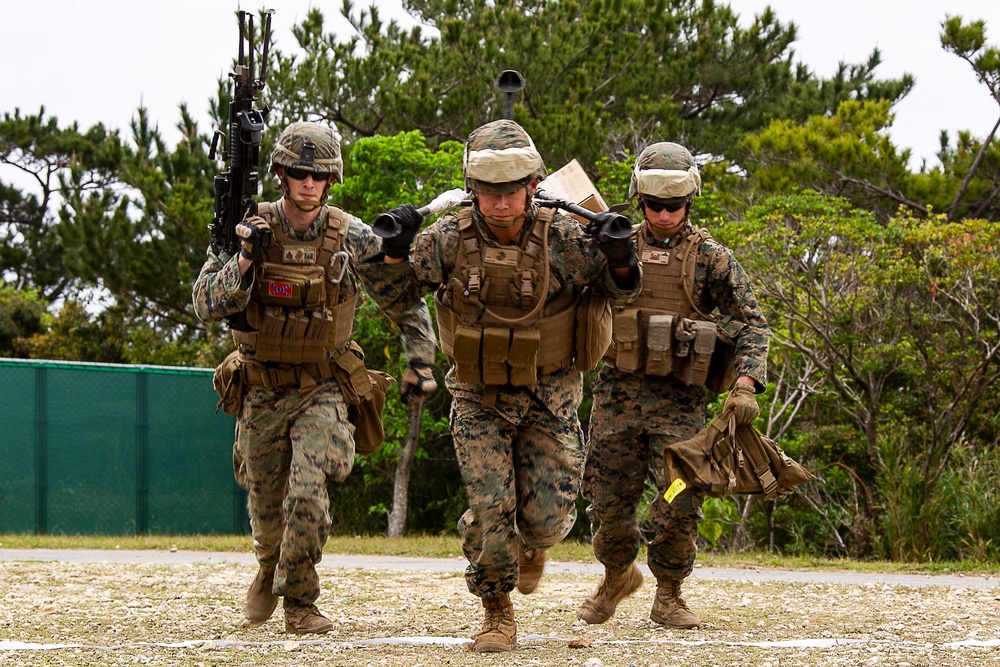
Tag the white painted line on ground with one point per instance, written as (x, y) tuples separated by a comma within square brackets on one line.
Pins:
[(429, 641)]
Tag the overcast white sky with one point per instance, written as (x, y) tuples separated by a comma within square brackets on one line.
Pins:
[(97, 60)]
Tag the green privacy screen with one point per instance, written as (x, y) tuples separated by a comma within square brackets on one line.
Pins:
[(115, 450)]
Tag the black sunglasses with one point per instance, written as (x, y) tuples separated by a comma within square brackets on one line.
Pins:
[(300, 174), (672, 207)]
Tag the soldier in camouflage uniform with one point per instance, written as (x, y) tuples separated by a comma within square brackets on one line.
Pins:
[(506, 323), (650, 391), (294, 280)]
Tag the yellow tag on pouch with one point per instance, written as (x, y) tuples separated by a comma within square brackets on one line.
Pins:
[(676, 487)]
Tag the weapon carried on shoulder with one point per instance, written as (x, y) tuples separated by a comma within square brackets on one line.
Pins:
[(614, 225), (235, 188)]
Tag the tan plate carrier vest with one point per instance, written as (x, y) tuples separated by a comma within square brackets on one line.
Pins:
[(297, 308), (654, 334), (491, 326)]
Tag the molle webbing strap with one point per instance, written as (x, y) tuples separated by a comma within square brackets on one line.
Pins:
[(343, 322), (336, 230), (486, 319), (293, 335), (285, 375), (668, 282), (668, 275)]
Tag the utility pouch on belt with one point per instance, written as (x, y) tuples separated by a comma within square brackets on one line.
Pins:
[(496, 346), (523, 358), (695, 367), (367, 415), (228, 383), (626, 338), (351, 374), (659, 355), (466, 352)]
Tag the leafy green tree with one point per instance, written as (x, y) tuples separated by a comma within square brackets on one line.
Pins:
[(968, 42), (22, 314), (848, 154), (55, 161), (878, 326), (383, 172), (602, 76), (145, 246)]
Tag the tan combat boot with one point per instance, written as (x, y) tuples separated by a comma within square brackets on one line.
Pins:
[(617, 584), (530, 563), (499, 631), (261, 601), (302, 618), (670, 609)]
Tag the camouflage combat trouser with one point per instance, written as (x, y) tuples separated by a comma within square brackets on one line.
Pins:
[(522, 481), (288, 445), (631, 420)]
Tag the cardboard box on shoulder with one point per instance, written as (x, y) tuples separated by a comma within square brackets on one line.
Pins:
[(572, 183)]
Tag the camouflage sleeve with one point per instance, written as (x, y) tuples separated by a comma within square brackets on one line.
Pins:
[(730, 290), (576, 257), (386, 285), (219, 290), (362, 243)]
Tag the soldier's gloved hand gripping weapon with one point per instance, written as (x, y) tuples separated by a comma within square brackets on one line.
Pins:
[(611, 230)]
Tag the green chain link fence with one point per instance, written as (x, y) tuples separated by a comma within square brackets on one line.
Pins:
[(109, 449)]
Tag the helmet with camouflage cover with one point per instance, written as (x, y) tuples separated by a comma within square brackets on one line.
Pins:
[(310, 146), (500, 158), (665, 172)]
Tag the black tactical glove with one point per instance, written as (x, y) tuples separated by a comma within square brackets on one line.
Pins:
[(418, 383), (613, 234), (254, 234), (398, 246)]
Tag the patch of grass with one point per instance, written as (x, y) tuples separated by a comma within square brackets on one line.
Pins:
[(450, 546)]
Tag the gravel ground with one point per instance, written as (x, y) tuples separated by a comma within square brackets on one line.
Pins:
[(114, 613)]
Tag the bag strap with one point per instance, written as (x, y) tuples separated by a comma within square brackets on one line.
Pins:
[(752, 447)]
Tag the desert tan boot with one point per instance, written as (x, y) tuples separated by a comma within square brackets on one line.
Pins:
[(499, 631), (617, 584), (302, 618), (530, 564), (261, 601), (670, 609)]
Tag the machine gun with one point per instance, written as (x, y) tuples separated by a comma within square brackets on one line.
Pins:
[(236, 187)]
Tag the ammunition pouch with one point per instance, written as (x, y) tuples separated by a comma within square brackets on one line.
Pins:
[(695, 341), (626, 340), (228, 383), (658, 344), (523, 357)]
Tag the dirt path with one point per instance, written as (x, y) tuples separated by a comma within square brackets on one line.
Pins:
[(109, 607)]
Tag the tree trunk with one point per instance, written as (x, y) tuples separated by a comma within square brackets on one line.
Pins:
[(401, 480)]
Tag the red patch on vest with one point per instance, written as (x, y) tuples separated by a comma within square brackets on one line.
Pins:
[(280, 290)]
